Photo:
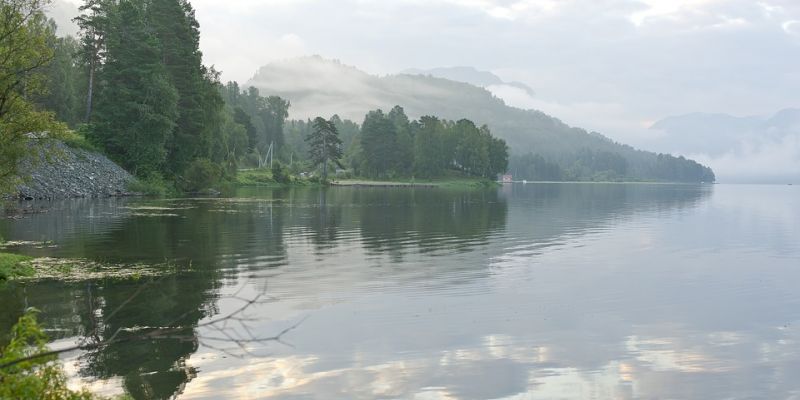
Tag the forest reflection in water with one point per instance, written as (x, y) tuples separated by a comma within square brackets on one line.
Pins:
[(541, 290)]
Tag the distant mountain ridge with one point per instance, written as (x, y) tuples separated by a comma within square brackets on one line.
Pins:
[(319, 87)]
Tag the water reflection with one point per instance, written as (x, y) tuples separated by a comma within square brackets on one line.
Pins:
[(530, 291)]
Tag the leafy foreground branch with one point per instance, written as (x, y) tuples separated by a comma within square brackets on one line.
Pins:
[(29, 369)]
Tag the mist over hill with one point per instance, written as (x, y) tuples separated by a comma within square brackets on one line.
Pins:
[(316, 86), (469, 75), (745, 149)]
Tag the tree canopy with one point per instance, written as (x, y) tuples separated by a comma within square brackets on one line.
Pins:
[(24, 53)]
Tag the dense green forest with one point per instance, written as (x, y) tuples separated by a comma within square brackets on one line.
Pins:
[(390, 145), (134, 84)]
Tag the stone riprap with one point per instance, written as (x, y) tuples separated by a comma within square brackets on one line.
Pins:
[(72, 173)]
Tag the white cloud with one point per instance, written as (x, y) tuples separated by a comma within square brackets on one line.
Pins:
[(791, 27), (669, 9), (510, 10), (754, 161)]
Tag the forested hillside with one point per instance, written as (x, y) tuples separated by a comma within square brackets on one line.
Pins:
[(542, 147)]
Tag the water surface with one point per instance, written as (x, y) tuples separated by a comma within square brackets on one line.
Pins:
[(523, 292)]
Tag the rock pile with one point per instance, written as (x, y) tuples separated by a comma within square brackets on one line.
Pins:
[(75, 173)]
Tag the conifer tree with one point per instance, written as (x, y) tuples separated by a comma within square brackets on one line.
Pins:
[(324, 145), (178, 34), (136, 109), (379, 143), (94, 23)]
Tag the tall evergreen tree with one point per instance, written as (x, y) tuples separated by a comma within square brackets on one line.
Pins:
[(241, 117), (95, 24), (136, 108), (428, 147), (472, 148), (404, 151), (324, 145), (175, 26), (498, 154), (379, 143), (273, 115)]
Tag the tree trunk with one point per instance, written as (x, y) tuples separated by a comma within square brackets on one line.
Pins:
[(89, 94), (324, 159)]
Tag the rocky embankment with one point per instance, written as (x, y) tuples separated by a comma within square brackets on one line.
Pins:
[(74, 173)]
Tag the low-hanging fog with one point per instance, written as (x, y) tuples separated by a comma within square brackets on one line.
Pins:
[(716, 80)]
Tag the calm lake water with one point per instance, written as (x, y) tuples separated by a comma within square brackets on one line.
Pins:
[(537, 291)]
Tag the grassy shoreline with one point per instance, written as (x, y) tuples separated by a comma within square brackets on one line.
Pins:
[(263, 178)]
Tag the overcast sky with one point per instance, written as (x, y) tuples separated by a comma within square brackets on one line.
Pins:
[(613, 66)]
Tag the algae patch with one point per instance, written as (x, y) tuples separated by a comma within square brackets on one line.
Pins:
[(66, 269), (27, 243), (143, 214)]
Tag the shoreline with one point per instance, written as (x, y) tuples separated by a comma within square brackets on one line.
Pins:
[(444, 183), (386, 184)]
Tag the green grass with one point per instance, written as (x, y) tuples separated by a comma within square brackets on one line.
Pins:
[(255, 177), (76, 140), (152, 186), (14, 266), (451, 181), (263, 177)]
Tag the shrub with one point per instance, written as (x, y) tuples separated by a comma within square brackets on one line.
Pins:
[(279, 173), (152, 185), (201, 174)]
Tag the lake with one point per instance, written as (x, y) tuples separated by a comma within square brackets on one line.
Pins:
[(536, 291)]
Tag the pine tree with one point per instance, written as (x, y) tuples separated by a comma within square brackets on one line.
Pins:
[(498, 154), (472, 148), (178, 33), (379, 143), (136, 107), (94, 23), (273, 114), (428, 148), (404, 152), (324, 145)]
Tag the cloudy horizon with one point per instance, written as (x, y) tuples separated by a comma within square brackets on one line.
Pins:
[(612, 66)]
